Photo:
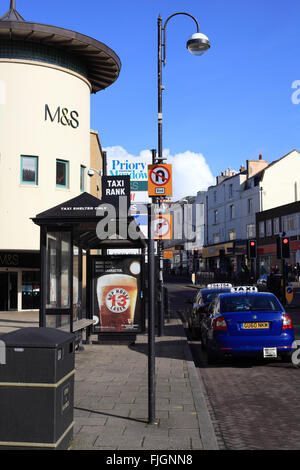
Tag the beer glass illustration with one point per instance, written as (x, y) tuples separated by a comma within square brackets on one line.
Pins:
[(117, 294)]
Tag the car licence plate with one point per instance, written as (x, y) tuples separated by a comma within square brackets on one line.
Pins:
[(256, 326), (270, 352)]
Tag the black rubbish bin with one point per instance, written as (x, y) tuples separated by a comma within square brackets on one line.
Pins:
[(37, 389)]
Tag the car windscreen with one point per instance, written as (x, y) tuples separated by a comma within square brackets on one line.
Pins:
[(244, 303), (209, 296)]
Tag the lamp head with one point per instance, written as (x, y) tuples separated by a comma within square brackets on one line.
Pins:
[(91, 172), (198, 44)]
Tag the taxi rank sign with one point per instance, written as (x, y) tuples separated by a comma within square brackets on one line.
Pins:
[(114, 187)]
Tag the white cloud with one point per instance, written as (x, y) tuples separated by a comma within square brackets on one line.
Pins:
[(191, 173)]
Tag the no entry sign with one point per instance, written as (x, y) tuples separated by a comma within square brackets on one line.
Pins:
[(162, 227), (159, 180)]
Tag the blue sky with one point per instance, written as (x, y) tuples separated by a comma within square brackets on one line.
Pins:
[(229, 105)]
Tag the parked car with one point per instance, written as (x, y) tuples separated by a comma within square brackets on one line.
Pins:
[(247, 324), (262, 281), (200, 305)]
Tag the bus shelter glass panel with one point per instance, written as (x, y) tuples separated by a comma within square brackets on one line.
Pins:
[(77, 284), (58, 285)]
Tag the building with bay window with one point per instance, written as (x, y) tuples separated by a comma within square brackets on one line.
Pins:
[(232, 205), (47, 76)]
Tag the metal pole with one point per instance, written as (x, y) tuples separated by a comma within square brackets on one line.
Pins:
[(151, 323), (156, 268), (283, 282), (159, 84), (43, 275), (160, 160), (162, 299), (104, 163)]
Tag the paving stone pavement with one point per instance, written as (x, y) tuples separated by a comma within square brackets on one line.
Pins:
[(111, 397)]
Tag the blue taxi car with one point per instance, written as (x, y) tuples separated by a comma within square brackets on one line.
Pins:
[(245, 322), (200, 305)]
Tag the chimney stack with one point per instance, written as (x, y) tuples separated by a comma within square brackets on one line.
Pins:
[(255, 166)]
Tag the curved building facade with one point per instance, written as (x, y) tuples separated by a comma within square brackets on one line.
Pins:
[(47, 75)]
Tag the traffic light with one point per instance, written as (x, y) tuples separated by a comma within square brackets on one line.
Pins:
[(252, 249), (285, 247)]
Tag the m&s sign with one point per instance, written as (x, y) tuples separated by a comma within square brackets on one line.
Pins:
[(62, 116)]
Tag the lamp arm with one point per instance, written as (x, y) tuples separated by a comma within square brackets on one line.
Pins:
[(164, 31), (162, 60)]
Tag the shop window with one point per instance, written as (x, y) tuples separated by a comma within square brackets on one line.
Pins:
[(250, 231), (269, 228), (289, 223), (62, 174), (29, 170), (215, 217), (82, 178), (261, 229), (264, 264), (232, 234), (30, 290), (276, 227), (216, 238), (250, 206)]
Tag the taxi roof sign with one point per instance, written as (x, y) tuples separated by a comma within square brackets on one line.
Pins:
[(219, 285), (244, 289)]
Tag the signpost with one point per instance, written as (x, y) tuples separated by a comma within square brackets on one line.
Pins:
[(114, 187), (159, 180), (159, 186), (151, 323)]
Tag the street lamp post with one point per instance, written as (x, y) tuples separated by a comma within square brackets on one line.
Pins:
[(198, 44)]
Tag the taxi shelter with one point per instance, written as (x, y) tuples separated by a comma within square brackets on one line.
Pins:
[(70, 238)]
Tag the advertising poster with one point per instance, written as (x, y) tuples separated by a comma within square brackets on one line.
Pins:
[(117, 294), (137, 169)]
